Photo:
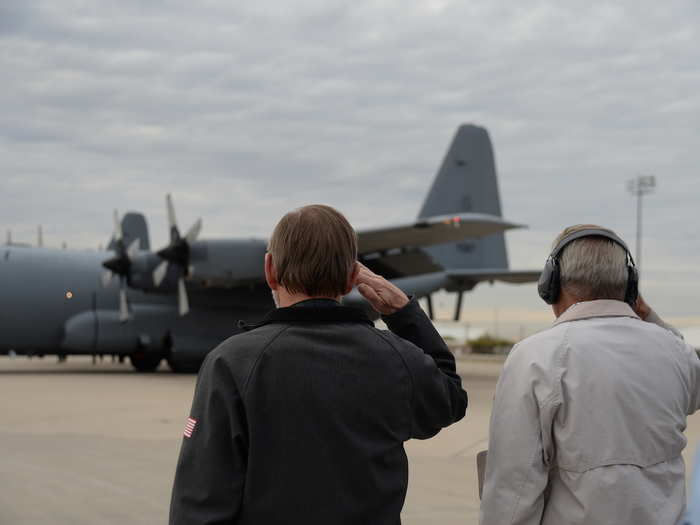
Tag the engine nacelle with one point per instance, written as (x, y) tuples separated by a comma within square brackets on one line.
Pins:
[(228, 262), (221, 263)]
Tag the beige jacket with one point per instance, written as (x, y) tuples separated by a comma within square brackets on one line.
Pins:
[(587, 423)]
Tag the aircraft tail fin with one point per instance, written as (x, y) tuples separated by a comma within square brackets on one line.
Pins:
[(134, 226), (466, 182)]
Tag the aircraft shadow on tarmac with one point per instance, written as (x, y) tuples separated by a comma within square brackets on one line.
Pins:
[(10, 367)]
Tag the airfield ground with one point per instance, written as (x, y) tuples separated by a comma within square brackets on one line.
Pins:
[(84, 444)]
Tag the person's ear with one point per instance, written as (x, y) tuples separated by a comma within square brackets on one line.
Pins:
[(270, 272), (352, 278)]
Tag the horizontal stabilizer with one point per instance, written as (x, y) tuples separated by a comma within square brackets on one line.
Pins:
[(133, 226), (452, 280), (417, 285), (432, 230), (494, 274)]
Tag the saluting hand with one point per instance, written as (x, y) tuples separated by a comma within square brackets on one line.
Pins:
[(641, 308), (384, 297)]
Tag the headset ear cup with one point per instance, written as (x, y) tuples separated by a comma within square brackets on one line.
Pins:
[(632, 291), (555, 285), (548, 284), (543, 282)]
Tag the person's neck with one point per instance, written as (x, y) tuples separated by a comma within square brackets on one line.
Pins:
[(285, 298), (565, 302)]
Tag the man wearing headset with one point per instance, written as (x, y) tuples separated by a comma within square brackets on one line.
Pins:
[(588, 418)]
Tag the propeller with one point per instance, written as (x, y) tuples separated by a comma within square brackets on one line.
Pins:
[(177, 254), (120, 265)]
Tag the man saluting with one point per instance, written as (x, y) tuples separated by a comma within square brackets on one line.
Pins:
[(302, 418)]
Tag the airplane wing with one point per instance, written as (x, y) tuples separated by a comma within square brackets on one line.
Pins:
[(431, 230)]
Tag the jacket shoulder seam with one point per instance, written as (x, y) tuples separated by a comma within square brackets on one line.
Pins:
[(380, 335), (257, 359)]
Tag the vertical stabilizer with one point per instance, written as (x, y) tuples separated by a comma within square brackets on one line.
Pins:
[(134, 227), (466, 182)]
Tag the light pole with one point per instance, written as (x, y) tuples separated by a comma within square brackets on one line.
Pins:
[(640, 186)]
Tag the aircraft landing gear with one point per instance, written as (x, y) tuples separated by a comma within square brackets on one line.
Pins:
[(145, 361)]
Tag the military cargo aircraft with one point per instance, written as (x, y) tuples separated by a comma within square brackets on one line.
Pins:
[(179, 302)]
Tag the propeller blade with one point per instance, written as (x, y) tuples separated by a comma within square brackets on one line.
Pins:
[(133, 248), (429, 302), (107, 278), (182, 300), (124, 314), (458, 306), (118, 234), (193, 232), (160, 272), (172, 221)]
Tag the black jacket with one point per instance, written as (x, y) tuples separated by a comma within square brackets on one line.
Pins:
[(302, 419)]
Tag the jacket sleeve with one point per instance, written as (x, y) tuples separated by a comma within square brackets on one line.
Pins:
[(438, 399), (520, 445), (211, 470), (693, 378), (653, 317), (693, 362)]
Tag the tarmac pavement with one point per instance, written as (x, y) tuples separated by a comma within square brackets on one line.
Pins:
[(84, 444)]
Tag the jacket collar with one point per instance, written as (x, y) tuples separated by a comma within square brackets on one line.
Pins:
[(597, 308), (320, 303), (311, 314)]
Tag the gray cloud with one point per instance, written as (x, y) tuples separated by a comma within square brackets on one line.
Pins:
[(245, 111)]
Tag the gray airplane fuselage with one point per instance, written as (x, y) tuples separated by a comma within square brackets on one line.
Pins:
[(53, 302)]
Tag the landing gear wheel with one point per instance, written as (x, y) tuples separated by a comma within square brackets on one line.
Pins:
[(145, 362), (180, 366)]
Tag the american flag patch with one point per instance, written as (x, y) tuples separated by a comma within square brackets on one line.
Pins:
[(189, 426)]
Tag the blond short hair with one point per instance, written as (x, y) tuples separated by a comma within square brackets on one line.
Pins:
[(313, 250), (592, 267)]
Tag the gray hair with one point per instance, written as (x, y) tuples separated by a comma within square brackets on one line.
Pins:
[(593, 267)]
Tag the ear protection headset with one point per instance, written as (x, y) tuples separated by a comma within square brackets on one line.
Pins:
[(549, 285)]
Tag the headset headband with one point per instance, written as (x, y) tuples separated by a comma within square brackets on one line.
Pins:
[(590, 232), (549, 284)]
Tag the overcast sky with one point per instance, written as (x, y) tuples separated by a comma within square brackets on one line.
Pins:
[(244, 112)]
